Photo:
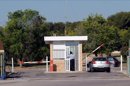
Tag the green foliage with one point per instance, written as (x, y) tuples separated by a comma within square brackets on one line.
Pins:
[(120, 20), (125, 37), (91, 27), (99, 32), (23, 36), (71, 28), (58, 29)]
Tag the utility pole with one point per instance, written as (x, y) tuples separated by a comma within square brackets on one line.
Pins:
[(128, 60), (65, 29)]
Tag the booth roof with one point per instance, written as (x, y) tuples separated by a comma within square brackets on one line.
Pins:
[(65, 38)]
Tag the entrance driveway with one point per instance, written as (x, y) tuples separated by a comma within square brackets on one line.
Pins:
[(31, 76), (39, 73)]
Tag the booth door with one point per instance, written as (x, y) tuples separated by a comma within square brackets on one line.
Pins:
[(72, 65)]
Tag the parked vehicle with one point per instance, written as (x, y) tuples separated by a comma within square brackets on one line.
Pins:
[(99, 63), (113, 61)]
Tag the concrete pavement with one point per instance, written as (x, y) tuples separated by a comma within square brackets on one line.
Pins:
[(39, 73), (73, 82)]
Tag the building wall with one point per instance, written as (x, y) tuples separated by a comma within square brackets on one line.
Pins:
[(80, 58), (51, 51), (59, 65)]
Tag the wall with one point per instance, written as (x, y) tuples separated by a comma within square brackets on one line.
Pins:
[(80, 57), (59, 65)]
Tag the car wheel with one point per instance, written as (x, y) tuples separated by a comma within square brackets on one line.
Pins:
[(91, 69), (108, 70), (88, 69)]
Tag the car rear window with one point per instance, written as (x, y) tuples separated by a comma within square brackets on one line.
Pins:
[(100, 59), (110, 59)]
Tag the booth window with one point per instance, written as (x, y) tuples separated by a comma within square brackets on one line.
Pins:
[(59, 54)]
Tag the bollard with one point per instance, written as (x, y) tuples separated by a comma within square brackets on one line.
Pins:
[(47, 63), (12, 68), (51, 65), (86, 64), (128, 60), (121, 66)]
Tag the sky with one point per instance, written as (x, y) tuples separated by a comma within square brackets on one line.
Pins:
[(64, 10)]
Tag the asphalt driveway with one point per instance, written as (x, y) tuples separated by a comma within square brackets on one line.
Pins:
[(39, 72)]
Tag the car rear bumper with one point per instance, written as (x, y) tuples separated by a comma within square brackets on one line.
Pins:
[(101, 68), (101, 65)]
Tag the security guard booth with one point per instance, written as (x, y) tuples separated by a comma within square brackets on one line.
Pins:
[(2, 62), (62, 50)]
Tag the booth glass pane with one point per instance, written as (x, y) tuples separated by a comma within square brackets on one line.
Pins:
[(58, 54)]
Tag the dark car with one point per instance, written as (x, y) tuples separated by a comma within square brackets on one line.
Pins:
[(113, 61)]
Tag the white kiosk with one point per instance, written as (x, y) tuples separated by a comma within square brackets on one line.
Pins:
[(60, 49)]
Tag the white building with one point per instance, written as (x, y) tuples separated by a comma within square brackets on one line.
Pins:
[(60, 48)]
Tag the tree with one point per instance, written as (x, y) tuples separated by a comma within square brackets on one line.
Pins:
[(99, 32), (58, 29), (1, 34), (24, 35), (125, 37), (120, 20), (71, 28), (91, 27)]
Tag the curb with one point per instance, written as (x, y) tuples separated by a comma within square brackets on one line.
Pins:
[(125, 73)]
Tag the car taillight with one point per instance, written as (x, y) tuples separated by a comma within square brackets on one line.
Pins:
[(93, 62), (107, 62)]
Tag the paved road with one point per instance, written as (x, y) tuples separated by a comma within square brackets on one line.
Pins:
[(40, 73), (95, 82), (37, 77), (84, 75)]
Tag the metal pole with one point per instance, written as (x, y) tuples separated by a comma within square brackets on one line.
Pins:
[(69, 64), (3, 73), (97, 48), (12, 70), (121, 63), (129, 60), (86, 64), (1, 64), (46, 63)]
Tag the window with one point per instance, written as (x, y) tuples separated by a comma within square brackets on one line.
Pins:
[(59, 51), (59, 54), (100, 59)]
